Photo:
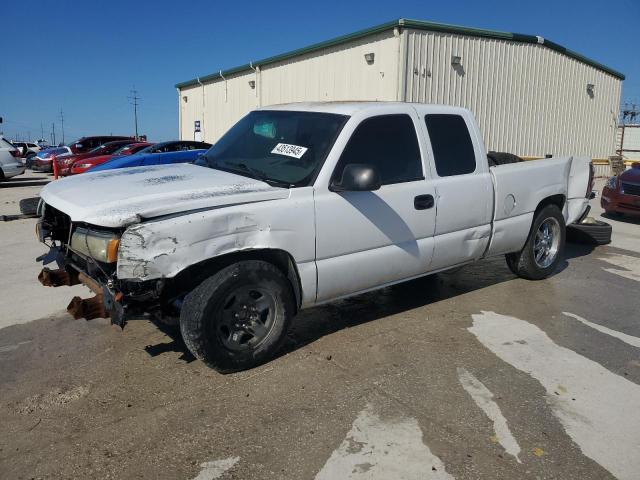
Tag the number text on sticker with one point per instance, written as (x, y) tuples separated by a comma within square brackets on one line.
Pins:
[(289, 150)]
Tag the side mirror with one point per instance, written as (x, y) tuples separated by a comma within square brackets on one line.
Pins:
[(357, 177)]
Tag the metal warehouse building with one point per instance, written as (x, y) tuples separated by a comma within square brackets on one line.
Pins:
[(531, 96)]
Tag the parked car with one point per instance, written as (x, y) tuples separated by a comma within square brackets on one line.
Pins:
[(299, 205), (42, 162), (81, 166), (65, 162), (158, 154), (86, 144), (28, 150), (621, 194), (10, 160)]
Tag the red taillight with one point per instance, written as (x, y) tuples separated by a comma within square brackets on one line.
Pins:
[(15, 153), (591, 179)]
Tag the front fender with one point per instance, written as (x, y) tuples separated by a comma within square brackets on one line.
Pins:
[(163, 248)]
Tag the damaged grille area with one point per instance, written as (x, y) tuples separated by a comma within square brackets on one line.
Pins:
[(56, 224)]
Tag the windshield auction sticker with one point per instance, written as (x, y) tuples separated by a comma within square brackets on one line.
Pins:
[(289, 150)]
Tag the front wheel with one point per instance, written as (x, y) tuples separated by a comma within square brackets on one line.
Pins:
[(238, 317), (541, 253)]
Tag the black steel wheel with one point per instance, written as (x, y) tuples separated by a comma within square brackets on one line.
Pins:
[(246, 317), (238, 317)]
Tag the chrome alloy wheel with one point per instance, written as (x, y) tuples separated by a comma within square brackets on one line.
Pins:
[(547, 242)]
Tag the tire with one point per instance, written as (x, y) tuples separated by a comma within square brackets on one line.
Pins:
[(592, 233), (524, 263), (211, 314), (29, 160), (29, 206)]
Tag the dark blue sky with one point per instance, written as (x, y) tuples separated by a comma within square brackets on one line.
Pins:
[(84, 57)]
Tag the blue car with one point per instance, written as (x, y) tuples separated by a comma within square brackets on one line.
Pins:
[(182, 151)]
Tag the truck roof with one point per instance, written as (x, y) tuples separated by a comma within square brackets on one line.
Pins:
[(348, 107)]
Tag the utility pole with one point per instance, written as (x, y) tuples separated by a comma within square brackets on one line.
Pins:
[(62, 122), (134, 101)]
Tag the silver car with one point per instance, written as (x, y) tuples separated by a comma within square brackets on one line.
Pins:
[(10, 160)]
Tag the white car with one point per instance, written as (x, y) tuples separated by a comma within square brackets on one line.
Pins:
[(299, 205), (27, 149), (10, 160)]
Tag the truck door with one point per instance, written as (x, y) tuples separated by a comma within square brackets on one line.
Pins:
[(463, 187), (367, 239)]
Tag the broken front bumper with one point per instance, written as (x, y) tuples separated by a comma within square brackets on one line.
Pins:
[(105, 303)]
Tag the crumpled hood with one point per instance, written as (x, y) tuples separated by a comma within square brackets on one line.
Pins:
[(117, 198)]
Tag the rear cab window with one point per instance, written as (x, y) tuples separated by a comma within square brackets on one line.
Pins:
[(390, 144), (451, 144)]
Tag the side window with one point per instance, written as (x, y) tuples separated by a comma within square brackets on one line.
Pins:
[(451, 143), (388, 143)]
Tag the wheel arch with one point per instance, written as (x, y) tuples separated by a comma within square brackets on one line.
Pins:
[(194, 274), (558, 200)]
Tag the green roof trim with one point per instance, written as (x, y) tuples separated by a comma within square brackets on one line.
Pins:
[(405, 23)]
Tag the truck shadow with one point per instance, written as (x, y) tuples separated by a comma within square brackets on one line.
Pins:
[(315, 323), (312, 324)]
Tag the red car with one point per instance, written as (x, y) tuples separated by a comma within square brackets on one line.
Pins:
[(82, 165), (64, 162), (621, 194)]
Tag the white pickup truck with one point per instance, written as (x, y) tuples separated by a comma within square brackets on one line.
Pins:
[(298, 205)]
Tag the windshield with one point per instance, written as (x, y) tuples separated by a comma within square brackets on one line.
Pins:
[(285, 148), (97, 149), (123, 148)]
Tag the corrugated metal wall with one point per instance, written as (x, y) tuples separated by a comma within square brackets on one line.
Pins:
[(225, 102), (189, 110), (528, 99), (336, 73)]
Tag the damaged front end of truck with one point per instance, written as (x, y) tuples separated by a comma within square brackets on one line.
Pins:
[(87, 255)]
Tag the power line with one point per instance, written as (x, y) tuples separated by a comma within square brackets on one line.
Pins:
[(134, 98)]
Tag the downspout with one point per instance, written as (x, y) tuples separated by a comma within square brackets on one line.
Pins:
[(179, 113), (401, 87), (203, 110), (225, 85), (256, 71)]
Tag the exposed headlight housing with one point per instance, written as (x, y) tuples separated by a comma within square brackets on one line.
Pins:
[(611, 183), (99, 245)]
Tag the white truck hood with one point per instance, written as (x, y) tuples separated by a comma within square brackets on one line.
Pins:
[(120, 197)]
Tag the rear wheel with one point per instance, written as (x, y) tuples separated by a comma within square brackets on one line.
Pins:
[(541, 254), (238, 318)]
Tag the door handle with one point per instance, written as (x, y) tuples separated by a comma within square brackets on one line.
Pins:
[(423, 202)]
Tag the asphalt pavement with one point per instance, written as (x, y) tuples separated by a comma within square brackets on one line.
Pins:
[(466, 375)]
